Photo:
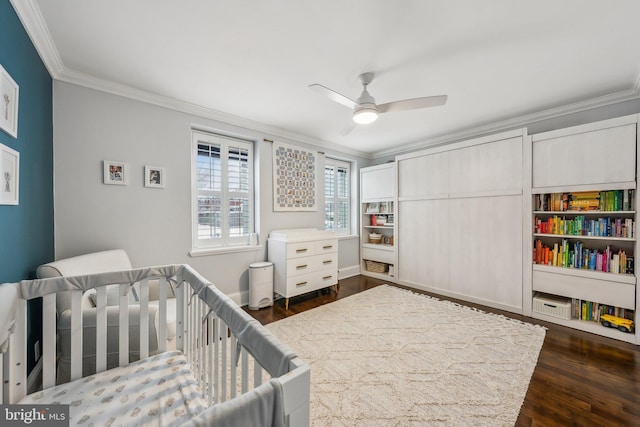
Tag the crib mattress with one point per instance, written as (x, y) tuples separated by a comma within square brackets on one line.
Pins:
[(158, 391)]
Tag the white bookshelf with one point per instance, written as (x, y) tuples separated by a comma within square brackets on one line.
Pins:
[(607, 162), (378, 199)]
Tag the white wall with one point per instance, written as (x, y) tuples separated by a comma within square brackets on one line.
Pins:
[(152, 225)]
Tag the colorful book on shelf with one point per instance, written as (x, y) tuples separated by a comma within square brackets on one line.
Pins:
[(611, 200), (582, 226), (591, 310), (575, 255)]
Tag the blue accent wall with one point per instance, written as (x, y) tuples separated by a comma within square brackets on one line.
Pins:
[(26, 230)]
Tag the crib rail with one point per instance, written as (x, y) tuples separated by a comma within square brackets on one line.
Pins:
[(236, 361)]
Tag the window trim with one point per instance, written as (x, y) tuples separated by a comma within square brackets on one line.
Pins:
[(332, 161), (226, 243)]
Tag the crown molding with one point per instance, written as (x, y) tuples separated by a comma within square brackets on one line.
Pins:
[(515, 122), (29, 14), (103, 85)]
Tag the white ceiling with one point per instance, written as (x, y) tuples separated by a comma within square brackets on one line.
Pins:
[(501, 62)]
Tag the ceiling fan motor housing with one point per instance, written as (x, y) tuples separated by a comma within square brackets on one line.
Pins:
[(366, 111)]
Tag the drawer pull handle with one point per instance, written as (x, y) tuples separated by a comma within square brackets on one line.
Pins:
[(329, 261), (301, 284), (301, 250), (327, 247), (327, 277), (300, 267)]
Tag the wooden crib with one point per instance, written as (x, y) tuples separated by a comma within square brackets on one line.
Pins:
[(227, 370)]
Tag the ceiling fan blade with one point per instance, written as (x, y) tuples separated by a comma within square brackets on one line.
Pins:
[(351, 125), (412, 104), (333, 95)]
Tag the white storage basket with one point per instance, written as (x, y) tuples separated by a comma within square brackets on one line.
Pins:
[(552, 306)]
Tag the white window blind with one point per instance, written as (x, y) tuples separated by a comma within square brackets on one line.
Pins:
[(223, 191), (337, 182)]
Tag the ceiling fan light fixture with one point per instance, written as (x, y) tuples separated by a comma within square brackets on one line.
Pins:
[(365, 115)]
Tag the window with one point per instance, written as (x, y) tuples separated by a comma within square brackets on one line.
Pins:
[(223, 191), (337, 182)]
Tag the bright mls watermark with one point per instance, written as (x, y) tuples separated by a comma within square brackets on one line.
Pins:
[(34, 415)]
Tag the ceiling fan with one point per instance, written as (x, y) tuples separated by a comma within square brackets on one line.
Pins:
[(366, 111)]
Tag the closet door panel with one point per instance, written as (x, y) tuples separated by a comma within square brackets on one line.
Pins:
[(424, 243), (486, 248), (490, 167), (378, 183), (585, 158), (424, 176)]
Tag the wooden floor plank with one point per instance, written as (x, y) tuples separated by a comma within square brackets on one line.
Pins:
[(581, 379)]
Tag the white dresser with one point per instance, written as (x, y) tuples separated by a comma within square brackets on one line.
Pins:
[(304, 259)]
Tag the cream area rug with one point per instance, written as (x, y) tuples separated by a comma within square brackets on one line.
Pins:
[(391, 357)]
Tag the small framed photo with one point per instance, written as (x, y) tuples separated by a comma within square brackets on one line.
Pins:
[(115, 173), (9, 95), (154, 177), (9, 176), (384, 207), (373, 207)]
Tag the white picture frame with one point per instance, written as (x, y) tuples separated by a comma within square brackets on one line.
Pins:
[(154, 177), (373, 207), (9, 97), (9, 176), (115, 173)]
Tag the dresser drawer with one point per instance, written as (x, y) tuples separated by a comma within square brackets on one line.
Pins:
[(308, 264), (308, 282), (300, 249), (326, 246)]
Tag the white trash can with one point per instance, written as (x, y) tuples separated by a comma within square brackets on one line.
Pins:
[(260, 285)]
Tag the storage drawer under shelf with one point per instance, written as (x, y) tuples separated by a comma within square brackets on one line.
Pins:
[(604, 290), (380, 255)]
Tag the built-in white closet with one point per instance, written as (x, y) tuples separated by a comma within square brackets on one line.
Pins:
[(460, 219)]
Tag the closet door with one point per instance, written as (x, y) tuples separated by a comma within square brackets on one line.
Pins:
[(571, 157), (378, 183), (489, 168), (486, 250), (461, 220), (424, 246), (424, 177)]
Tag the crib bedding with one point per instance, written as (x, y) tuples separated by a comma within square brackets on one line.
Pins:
[(158, 391)]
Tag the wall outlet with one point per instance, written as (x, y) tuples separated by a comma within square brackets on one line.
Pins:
[(36, 350)]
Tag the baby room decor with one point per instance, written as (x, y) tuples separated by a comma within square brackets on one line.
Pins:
[(294, 178)]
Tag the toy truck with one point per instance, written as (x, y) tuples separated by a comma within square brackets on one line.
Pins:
[(625, 325)]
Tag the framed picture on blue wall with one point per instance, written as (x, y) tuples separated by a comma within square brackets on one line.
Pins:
[(9, 176), (9, 94)]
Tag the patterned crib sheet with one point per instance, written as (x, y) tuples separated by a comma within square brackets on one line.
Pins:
[(158, 391)]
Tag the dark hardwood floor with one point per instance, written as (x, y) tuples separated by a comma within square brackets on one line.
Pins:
[(581, 379)]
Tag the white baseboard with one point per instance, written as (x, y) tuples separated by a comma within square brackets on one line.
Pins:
[(345, 272), (463, 297), (240, 298)]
